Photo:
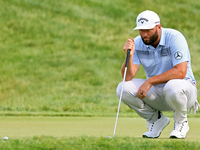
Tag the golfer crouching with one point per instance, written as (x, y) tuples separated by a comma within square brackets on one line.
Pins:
[(169, 85)]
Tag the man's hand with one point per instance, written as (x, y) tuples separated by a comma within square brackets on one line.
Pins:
[(143, 89), (129, 45), (178, 72)]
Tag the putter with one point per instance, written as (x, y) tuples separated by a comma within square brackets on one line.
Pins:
[(120, 99)]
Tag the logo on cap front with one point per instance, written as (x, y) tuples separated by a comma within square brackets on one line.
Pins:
[(142, 20)]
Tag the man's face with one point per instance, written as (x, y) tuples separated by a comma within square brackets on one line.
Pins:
[(149, 36)]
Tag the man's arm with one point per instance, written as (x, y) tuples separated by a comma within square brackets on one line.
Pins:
[(178, 72), (131, 70)]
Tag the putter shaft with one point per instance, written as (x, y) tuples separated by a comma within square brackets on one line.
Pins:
[(120, 99)]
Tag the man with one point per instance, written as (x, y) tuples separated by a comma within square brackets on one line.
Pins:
[(170, 83)]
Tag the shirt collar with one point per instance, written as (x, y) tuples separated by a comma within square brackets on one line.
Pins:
[(162, 38)]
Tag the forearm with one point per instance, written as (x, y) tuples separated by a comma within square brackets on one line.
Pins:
[(131, 69), (175, 73)]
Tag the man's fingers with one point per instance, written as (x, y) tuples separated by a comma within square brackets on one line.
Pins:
[(141, 94), (132, 39), (129, 45)]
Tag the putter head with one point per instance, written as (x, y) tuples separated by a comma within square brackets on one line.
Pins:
[(110, 136)]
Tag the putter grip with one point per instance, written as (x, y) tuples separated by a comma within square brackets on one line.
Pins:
[(127, 57)]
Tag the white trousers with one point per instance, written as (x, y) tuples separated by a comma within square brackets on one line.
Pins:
[(176, 95)]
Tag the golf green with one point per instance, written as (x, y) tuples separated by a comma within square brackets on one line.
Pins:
[(18, 127)]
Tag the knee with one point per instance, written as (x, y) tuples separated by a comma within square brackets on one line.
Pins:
[(129, 95), (128, 89), (173, 91), (118, 90)]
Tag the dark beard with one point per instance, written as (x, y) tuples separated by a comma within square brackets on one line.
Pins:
[(152, 39)]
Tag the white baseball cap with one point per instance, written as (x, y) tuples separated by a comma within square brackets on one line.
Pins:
[(147, 20)]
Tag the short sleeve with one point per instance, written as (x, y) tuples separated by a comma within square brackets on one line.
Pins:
[(179, 49)]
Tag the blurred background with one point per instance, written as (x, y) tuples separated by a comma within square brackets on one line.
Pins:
[(63, 58)]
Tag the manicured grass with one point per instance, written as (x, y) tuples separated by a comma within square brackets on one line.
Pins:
[(26, 127), (89, 133)]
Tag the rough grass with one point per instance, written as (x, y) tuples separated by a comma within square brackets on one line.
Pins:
[(90, 143), (64, 57)]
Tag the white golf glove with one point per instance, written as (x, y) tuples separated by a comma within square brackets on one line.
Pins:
[(194, 107)]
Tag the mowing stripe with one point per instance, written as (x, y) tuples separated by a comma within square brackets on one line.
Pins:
[(17, 127)]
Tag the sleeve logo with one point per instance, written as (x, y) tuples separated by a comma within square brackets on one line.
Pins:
[(178, 55)]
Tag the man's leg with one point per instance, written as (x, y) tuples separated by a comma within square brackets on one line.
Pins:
[(143, 109), (129, 97), (180, 95)]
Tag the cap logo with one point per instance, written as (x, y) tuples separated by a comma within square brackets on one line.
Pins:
[(142, 20)]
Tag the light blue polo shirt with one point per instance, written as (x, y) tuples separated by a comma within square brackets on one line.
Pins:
[(172, 50)]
